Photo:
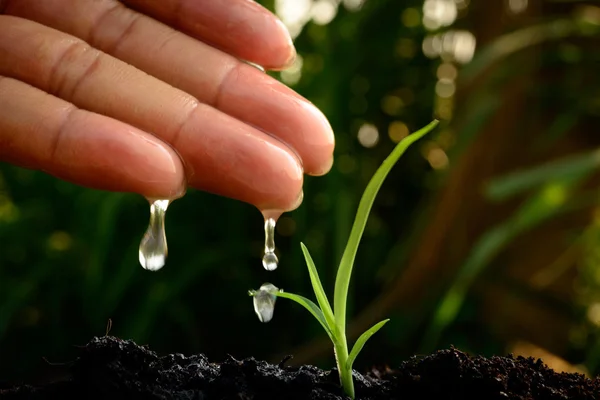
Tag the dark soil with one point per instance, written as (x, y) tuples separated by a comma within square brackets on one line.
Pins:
[(110, 368)]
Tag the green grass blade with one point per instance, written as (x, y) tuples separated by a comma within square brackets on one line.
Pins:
[(361, 342), (311, 307), (518, 182), (318, 288), (546, 204), (342, 281)]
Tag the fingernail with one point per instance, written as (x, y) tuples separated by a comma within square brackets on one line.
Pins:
[(326, 168), (292, 58), (293, 54)]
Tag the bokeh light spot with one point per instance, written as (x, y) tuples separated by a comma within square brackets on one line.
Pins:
[(517, 6), (323, 11), (368, 135), (437, 158), (60, 241), (293, 74), (353, 5), (447, 71), (411, 17), (445, 88), (397, 131), (439, 13), (392, 105)]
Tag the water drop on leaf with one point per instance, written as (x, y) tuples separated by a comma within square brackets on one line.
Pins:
[(264, 302)]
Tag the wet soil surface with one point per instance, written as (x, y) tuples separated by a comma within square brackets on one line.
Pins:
[(111, 368)]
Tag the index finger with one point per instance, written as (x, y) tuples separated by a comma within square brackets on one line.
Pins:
[(242, 28)]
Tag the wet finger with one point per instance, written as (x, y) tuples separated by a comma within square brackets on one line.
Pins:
[(209, 75), (235, 160), (247, 162), (40, 131)]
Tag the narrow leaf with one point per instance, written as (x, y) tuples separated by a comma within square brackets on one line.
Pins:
[(361, 342), (342, 281), (318, 289), (547, 203), (517, 182), (311, 307), (522, 39)]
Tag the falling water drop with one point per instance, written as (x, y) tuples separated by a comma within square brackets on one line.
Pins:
[(264, 301), (153, 247), (270, 259)]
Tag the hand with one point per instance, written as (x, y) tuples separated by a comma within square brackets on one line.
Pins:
[(100, 93)]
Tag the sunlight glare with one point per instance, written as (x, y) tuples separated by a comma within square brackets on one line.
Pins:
[(439, 13), (353, 5), (294, 14)]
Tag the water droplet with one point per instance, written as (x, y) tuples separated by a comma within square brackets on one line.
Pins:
[(264, 301), (153, 247), (270, 259)]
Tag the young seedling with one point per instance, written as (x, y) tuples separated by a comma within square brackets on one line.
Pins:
[(334, 320)]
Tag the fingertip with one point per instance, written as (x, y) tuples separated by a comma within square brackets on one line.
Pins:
[(323, 142), (325, 168), (110, 155), (242, 28), (274, 108), (165, 177), (297, 203), (229, 158), (281, 53), (40, 131)]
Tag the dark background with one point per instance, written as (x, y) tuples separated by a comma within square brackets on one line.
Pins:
[(486, 235)]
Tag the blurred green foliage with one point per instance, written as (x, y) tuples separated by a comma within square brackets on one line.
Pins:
[(68, 255)]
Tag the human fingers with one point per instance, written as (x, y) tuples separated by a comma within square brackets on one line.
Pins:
[(242, 28), (209, 75), (40, 131), (253, 167)]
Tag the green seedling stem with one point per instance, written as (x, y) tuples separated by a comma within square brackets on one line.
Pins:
[(334, 320)]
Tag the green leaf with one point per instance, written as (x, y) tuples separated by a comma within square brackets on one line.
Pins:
[(361, 342), (567, 168), (311, 307), (318, 289), (545, 204), (342, 281), (522, 39)]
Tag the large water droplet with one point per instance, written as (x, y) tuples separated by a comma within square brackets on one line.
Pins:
[(264, 301), (270, 259), (153, 247)]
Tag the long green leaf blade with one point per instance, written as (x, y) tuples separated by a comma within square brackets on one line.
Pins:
[(342, 281), (361, 342), (572, 166), (318, 289), (547, 203), (311, 307)]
